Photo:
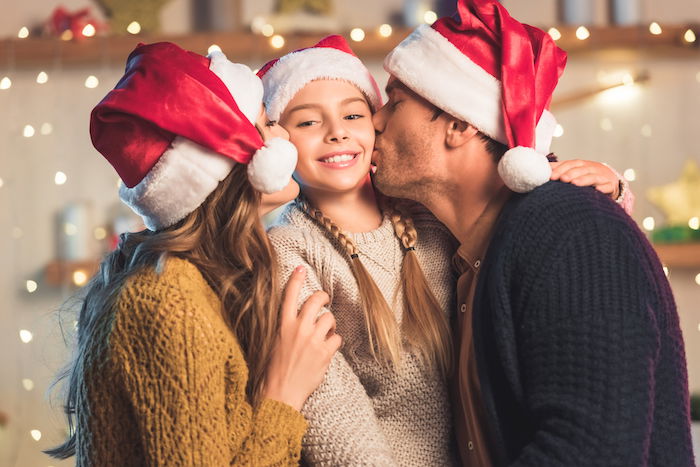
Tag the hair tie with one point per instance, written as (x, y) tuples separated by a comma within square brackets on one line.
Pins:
[(411, 248), (354, 255)]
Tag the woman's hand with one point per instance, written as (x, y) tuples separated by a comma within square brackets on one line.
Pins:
[(304, 347), (587, 173)]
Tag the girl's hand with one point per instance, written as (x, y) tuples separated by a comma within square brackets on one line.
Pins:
[(304, 347), (587, 173)]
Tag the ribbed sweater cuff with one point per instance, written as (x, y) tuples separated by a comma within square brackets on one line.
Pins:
[(285, 418)]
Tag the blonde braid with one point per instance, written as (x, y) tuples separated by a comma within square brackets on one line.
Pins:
[(382, 329), (425, 323)]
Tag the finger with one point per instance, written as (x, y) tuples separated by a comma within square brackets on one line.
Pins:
[(334, 342), (589, 180), (325, 326), (575, 173), (291, 293), (565, 166), (311, 308)]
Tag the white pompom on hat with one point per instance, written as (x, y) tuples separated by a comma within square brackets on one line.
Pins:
[(175, 125), (493, 72)]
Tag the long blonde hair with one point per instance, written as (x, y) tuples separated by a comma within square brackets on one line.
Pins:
[(225, 239), (424, 325)]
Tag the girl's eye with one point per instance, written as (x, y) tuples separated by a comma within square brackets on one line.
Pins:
[(271, 123), (305, 124), (354, 117), (394, 103)]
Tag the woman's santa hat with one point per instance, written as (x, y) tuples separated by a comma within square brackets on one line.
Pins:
[(493, 72), (175, 125), (331, 58)]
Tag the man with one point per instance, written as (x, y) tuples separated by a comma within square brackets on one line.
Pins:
[(569, 350)]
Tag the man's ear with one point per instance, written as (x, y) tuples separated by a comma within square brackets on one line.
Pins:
[(458, 133)]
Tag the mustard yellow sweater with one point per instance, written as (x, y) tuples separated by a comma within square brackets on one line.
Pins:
[(164, 384)]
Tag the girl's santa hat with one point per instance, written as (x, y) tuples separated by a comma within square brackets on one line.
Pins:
[(331, 58), (175, 125), (493, 72)]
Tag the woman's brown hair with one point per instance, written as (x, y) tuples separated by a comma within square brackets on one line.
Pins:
[(424, 324), (225, 239)]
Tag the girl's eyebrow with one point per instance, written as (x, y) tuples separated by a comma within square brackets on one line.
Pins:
[(347, 101)]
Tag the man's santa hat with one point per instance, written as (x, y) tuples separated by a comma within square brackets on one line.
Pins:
[(493, 72), (331, 58), (175, 125)]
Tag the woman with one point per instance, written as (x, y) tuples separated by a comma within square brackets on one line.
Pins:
[(384, 263), (184, 357)]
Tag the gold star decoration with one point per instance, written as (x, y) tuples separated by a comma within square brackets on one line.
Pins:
[(679, 200), (320, 7)]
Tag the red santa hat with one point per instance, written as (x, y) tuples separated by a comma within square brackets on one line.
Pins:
[(493, 72), (175, 125), (331, 58)]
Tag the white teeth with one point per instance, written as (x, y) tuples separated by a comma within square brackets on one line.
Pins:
[(340, 158)]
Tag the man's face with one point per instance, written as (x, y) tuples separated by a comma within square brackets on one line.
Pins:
[(405, 146)]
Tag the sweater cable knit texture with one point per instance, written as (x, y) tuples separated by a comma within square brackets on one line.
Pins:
[(364, 414), (165, 385)]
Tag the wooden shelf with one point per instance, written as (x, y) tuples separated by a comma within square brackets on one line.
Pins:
[(681, 255), (250, 48)]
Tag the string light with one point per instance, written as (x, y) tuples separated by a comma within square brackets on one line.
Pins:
[(60, 178), (89, 30), (31, 287), (25, 336), (257, 24), (558, 131), (694, 223), (46, 128), (5, 83), (646, 130), (655, 28), (67, 35), (23, 32), (70, 229), (28, 131), (213, 48), (36, 434), (267, 30), (357, 34), (92, 82), (1, 182), (697, 279), (554, 33), (80, 278), (42, 77), (133, 28), (666, 271), (27, 384), (649, 223), (277, 41), (385, 30), (100, 233), (630, 175), (582, 33), (606, 124), (430, 17), (689, 36)]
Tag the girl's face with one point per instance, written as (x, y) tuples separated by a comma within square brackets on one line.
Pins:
[(330, 123), (271, 201)]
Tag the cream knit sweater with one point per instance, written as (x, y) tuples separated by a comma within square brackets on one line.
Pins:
[(363, 414)]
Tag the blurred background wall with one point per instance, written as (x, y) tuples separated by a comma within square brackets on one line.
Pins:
[(630, 97)]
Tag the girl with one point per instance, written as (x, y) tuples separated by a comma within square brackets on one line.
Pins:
[(182, 358), (384, 263)]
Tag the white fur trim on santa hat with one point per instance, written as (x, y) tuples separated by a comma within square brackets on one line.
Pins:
[(295, 70), (524, 169), (429, 64), (178, 184), (271, 167), (242, 83)]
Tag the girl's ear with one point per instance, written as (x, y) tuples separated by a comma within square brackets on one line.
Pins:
[(458, 133)]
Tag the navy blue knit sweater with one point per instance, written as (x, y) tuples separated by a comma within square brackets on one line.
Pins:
[(577, 338)]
